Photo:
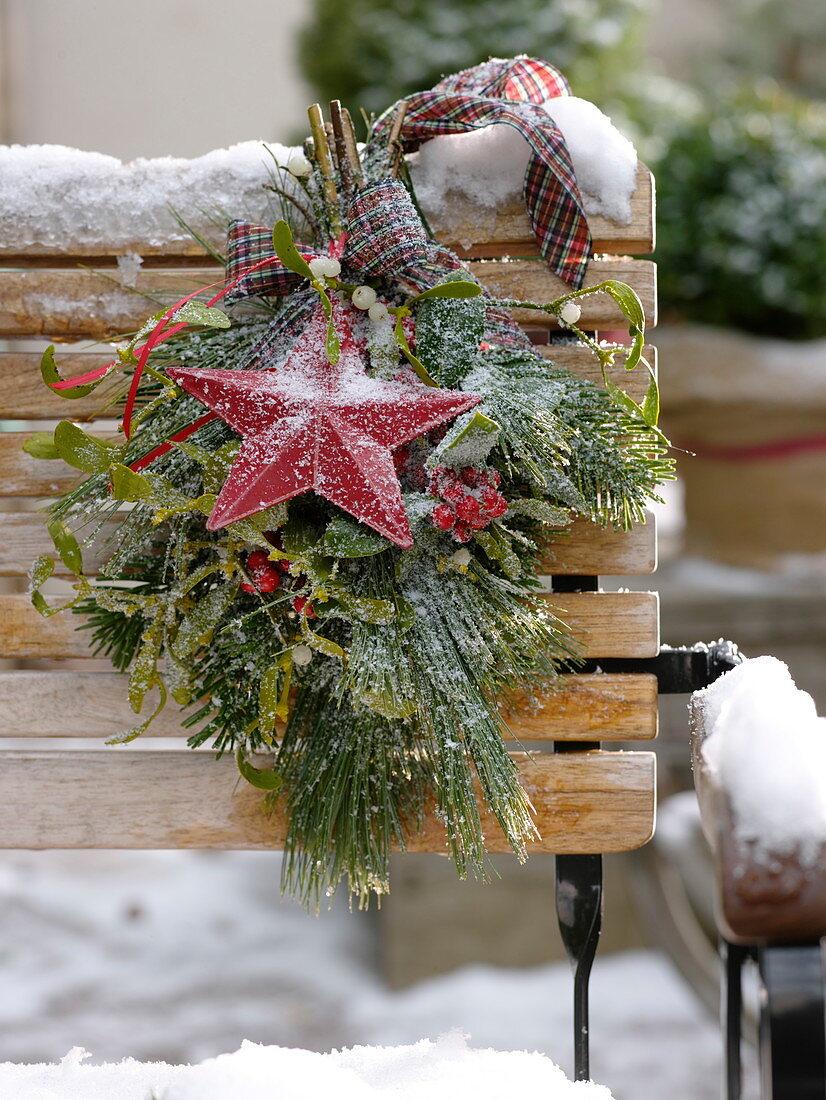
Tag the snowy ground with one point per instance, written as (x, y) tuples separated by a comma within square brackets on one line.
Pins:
[(179, 956)]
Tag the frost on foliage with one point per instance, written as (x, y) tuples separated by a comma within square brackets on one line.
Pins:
[(766, 746), (54, 195), (489, 164), (446, 1067)]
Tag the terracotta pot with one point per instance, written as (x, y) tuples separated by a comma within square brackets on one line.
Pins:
[(753, 412)]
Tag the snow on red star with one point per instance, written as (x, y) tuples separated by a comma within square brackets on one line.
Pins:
[(310, 424)]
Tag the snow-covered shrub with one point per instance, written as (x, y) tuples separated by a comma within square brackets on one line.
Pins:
[(742, 214), (369, 53)]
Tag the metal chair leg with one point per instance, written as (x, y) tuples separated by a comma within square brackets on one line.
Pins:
[(792, 1022), (579, 910), (731, 1014)]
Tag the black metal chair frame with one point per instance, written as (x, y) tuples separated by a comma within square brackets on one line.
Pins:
[(792, 1027)]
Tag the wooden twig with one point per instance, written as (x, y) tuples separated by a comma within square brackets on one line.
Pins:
[(324, 160), (349, 165), (394, 145)]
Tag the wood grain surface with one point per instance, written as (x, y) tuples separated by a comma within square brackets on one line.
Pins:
[(593, 707), (117, 798), (606, 624), (73, 304)]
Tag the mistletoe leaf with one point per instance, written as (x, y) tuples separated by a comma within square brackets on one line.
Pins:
[(128, 484), (199, 624), (364, 608), (540, 510), (651, 404), (468, 442), (144, 670), (50, 375), (498, 549), (347, 538), (319, 642), (627, 299), (264, 780), (458, 288), (42, 568), (66, 545), (416, 363), (621, 398), (196, 313), (268, 702), (635, 351), (41, 445), (82, 451), (136, 731), (288, 254)]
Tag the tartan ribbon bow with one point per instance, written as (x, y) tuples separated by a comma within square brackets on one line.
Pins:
[(383, 236), (512, 92)]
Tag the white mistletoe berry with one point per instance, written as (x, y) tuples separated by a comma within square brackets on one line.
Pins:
[(364, 297), (461, 558), (377, 311), (302, 655), (299, 166), (325, 267), (570, 313)]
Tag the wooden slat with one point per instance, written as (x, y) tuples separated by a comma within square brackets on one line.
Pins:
[(592, 707), (588, 549), (75, 304), (457, 221), (585, 802), (507, 229), (531, 280), (611, 624), (25, 476), (585, 549), (608, 624), (24, 397)]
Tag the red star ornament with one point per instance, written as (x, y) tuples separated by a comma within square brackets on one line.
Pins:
[(310, 424)]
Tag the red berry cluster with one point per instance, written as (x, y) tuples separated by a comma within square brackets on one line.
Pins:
[(267, 576), (264, 574), (471, 499)]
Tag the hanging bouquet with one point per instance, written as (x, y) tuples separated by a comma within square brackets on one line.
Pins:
[(330, 501)]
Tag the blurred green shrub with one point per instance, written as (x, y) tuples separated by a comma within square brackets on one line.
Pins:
[(369, 53), (742, 214)]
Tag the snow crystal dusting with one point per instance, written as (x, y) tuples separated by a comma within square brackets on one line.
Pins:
[(766, 746), (489, 164), (54, 195), (447, 1067)]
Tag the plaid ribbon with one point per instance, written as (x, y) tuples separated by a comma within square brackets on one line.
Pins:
[(384, 238), (512, 92)]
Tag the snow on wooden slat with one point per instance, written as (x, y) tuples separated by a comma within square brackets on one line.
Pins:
[(607, 624), (74, 304), (23, 396), (503, 231), (585, 802), (583, 549), (507, 229), (592, 707)]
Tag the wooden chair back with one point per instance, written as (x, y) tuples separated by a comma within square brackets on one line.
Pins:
[(160, 794)]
